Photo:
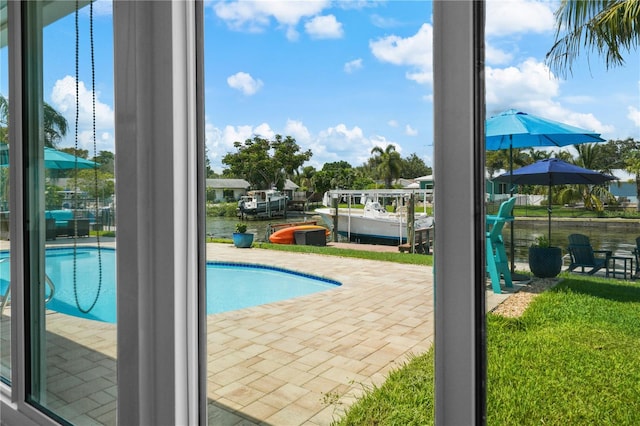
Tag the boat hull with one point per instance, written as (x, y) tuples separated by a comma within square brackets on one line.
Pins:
[(359, 228), (264, 207), (267, 203)]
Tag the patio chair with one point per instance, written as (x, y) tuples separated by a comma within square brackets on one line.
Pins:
[(584, 256), (636, 252), (497, 262)]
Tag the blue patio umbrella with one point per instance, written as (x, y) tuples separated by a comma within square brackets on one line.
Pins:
[(553, 171), (53, 159), (516, 129)]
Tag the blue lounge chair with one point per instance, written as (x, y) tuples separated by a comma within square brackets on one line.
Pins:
[(584, 256), (497, 262)]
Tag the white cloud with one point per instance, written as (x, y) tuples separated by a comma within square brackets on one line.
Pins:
[(532, 88), (634, 115), (292, 34), (496, 56), (337, 143), (383, 22), (255, 16), (414, 52), (63, 99), (519, 16), (392, 123), (219, 142), (340, 143), (410, 131), (523, 86), (298, 131), (264, 131), (322, 27), (352, 66), (245, 83)]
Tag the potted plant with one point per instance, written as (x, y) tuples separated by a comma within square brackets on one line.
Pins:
[(241, 238), (544, 261)]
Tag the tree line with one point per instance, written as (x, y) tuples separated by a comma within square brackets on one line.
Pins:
[(266, 164)]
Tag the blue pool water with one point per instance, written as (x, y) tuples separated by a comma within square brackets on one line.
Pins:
[(230, 286)]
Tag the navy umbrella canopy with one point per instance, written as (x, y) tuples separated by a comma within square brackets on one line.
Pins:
[(553, 171)]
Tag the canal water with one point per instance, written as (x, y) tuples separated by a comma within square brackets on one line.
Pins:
[(224, 227), (619, 237)]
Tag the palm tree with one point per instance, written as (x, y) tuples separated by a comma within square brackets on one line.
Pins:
[(593, 196), (388, 163), (610, 27), (55, 125)]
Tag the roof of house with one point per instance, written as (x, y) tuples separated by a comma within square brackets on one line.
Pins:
[(228, 183), (290, 185)]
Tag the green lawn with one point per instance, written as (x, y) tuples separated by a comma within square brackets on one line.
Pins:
[(573, 358), (397, 257), (572, 212)]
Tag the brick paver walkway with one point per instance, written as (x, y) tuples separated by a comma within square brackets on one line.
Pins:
[(276, 364)]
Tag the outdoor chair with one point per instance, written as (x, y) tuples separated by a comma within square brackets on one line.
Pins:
[(497, 262), (636, 252), (584, 256)]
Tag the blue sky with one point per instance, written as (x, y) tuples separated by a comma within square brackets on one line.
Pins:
[(343, 77)]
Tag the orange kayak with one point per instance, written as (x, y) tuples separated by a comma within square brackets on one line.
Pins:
[(286, 235)]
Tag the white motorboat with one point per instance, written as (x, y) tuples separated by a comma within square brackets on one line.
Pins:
[(268, 202), (373, 223)]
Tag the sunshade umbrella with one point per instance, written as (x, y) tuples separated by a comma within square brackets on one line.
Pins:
[(53, 159), (553, 171), (516, 129)]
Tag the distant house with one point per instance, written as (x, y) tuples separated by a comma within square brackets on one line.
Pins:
[(426, 182), (624, 189), (226, 189), (290, 188)]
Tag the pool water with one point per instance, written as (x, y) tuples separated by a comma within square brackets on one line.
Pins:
[(230, 286)]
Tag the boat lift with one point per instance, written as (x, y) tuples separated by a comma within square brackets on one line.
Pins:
[(333, 197)]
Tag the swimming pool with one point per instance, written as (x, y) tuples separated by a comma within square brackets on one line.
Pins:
[(230, 286)]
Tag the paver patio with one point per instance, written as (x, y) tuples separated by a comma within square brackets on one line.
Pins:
[(275, 364)]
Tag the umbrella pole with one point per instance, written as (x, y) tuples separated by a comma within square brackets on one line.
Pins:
[(512, 249), (549, 212)]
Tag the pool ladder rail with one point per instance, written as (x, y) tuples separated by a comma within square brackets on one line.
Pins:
[(7, 294)]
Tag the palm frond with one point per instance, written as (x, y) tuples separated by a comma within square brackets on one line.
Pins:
[(608, 27)]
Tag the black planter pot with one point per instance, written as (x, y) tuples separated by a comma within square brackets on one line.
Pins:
[(545, 262)]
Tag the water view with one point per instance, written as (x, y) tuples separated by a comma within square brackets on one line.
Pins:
[(614, 236)]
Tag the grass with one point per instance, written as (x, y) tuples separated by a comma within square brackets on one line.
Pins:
[(572, 212), (407, 258), (571, 359)]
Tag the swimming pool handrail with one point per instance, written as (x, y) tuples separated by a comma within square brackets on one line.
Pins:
[(7, 293)]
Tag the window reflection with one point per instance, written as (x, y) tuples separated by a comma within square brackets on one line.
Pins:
[(69, 207), (5, 244)]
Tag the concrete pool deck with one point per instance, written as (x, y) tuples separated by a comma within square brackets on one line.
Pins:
[(275, 364)]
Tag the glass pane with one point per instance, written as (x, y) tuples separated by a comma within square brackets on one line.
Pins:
[(72, 264), (5, 242), (301, 359)]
